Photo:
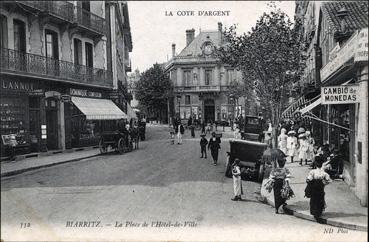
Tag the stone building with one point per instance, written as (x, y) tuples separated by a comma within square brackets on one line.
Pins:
[(334, 93), (201, 81), (59, 59)]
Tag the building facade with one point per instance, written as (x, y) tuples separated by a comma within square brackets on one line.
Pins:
[(336, 37), (201, 81), (55, 62)]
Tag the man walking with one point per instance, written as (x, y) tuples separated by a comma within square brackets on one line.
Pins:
[(203, 143), (214, 146)]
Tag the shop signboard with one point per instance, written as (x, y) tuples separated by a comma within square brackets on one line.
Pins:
[(344, 94), (362, 49), (355, 48), (36, 92), (84, 93), (66, 98)]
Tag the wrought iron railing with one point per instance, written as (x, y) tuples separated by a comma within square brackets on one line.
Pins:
[(61, 9), (90, 20), (71, 13), (38, 65)]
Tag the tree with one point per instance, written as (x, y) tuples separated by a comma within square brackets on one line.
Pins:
[(153, 90), (269, 57)]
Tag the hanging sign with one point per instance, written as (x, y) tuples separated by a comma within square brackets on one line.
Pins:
[(340, 94)]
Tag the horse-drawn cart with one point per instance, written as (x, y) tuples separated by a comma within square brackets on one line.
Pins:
[(120, 142)]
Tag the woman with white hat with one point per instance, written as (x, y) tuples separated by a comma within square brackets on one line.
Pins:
[(291, 144), (311, 142), (303, 148), (282, 141)]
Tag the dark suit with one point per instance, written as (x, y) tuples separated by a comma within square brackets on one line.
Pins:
[(214, 146)]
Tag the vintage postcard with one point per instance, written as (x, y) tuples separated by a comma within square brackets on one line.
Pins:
[(184, 120)]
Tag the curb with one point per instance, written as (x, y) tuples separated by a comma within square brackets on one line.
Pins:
[(16, 172), (322, 220)]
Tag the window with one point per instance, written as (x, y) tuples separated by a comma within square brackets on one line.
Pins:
[(89, 55), (77, 51), (187, 79), (208, 77), (3, 32), (51, 41), (19, 35), (231, 76), (188, 99)]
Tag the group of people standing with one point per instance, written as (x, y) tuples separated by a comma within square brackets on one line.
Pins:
[(301, 145)]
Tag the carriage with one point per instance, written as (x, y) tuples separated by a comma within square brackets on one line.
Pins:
[(120, 142), (250, 154)]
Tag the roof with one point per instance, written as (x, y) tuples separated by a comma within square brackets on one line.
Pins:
[(194, 48), (357, 14)]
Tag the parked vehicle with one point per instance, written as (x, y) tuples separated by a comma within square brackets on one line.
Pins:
[(119, 141), (253, 127), (250, 155)]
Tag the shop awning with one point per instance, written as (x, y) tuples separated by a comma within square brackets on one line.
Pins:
[(312, 105), (98, 109)]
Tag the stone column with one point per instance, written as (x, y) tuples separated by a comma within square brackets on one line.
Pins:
[(61, 126), (361, 134)]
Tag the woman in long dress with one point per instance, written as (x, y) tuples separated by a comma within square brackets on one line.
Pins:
[(303, 148), (279, 175), (282, 141), (291, 144), (311, 143), (237, 186), (317, 179)]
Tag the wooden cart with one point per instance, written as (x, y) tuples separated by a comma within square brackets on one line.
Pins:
[(120, 142)]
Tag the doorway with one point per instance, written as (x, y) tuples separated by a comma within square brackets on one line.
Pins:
[(51, 109), (209, 110)]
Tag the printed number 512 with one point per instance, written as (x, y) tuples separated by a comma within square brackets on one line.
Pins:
[(25, 225)]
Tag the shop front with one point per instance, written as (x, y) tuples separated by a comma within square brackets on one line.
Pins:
[(89, 114), (20, 115)]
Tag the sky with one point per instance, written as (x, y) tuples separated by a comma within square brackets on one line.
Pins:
[(154, 30)]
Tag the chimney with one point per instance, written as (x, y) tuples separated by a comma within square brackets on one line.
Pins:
[(190, 35), (173, 50), (220, 26)]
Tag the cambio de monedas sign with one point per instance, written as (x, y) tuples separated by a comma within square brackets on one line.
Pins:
[(340, 94)]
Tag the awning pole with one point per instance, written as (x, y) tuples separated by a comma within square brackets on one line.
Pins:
[(329, 123)]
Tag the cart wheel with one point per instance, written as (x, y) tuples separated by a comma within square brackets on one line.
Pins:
[(103, 147), (120, 146), (261, 173)]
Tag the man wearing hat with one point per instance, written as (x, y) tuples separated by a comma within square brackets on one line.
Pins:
[(214, 146), (291, 144), (203, 143)]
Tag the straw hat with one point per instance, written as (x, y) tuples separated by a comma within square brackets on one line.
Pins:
[(301, 130), (303, 135), (291, 132)]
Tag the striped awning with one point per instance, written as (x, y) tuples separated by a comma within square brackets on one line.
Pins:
[(98, 109), (288, 112)]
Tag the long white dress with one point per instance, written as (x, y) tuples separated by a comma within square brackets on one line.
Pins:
[(236, 172), (291, 145), (303, 150), (282, 143)]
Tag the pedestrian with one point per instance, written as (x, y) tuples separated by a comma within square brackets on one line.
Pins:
[(172, 135), (214, 147), (291, 144), (316, 180), (311, 143), (180, 133), (208, 128), (303, 148), (282, 141), (236, 132), (203, 127), (189, 122), (280, 177), (237, 183), (203, 143)]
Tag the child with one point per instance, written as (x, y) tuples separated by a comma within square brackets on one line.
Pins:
[(172, 134), (203, 143), (291, 144)]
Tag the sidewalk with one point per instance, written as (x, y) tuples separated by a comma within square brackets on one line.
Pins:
[(9, 168), (343, 208)]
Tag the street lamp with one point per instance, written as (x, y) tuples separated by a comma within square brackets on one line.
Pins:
[(179, 105)]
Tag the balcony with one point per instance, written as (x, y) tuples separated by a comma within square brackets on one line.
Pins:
[(90, 21), (61, 10), (212, 88), (20, 63)]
